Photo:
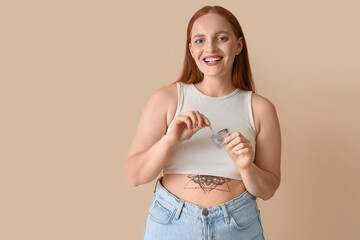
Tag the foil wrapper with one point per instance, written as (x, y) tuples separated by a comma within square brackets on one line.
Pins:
[(218, 138)]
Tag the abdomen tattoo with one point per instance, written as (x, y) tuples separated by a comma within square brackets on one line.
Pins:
[(208, 183)]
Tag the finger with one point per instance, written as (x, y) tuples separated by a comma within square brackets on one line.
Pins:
[(206, 120), (243, 151), (199, 119), (230, 137), (240, 146), (184, 119), (236, 141), (193, 118), (233, 143), (235, 135)]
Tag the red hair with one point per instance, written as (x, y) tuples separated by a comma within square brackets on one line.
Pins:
[(241, 73)]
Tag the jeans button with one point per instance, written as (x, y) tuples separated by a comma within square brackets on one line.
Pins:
[(205, 212)]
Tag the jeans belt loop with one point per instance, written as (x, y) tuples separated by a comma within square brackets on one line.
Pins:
[(226, 214), (179, 209), (156, 184)]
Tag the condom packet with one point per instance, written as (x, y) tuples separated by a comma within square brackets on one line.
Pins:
[(218, 138)]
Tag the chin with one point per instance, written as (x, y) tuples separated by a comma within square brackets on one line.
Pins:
[(213, 74)]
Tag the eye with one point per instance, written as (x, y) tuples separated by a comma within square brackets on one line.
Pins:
[(223, 39), (199, 41)]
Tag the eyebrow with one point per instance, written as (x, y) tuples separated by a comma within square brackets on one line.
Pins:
[(202, 35)]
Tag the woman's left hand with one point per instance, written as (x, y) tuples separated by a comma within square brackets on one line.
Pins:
[(239, 149)]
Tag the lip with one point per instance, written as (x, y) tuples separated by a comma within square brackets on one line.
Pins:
[(212, 56)]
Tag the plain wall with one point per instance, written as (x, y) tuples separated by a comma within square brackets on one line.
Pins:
[(75, 76)]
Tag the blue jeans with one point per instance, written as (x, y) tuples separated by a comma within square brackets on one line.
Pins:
[(171, 218)]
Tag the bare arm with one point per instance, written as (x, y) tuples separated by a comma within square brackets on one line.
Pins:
[(143, 167), (261, 177), (151, 148)]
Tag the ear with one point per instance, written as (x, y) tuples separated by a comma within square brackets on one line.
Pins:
[(240, 44), (190, 49)]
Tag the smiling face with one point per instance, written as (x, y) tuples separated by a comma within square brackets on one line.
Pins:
[(214, 45)]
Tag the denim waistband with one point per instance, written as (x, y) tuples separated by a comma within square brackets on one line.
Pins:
[(181, 206)]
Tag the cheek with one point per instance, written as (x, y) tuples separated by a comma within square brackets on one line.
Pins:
[(232, 50), (231, 54), (195, 52)]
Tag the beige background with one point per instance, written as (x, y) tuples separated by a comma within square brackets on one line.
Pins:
[(75, 76)]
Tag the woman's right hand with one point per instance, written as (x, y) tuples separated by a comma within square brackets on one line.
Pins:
[(187, 124)]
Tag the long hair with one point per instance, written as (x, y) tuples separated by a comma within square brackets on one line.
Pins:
[(241, 72)]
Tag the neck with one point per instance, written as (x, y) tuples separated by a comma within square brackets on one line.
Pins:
[(215, 86)]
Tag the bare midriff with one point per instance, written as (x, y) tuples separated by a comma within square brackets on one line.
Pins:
[(203, 190)]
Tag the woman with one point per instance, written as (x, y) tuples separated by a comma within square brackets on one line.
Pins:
[(208, 191)]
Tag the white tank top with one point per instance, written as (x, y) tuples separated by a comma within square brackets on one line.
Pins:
[(199, 155)]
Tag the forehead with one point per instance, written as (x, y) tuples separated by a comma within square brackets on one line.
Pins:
[(211, 23)]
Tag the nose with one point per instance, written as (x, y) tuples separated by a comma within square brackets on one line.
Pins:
[(211, 46)]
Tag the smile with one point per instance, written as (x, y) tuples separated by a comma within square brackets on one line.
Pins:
[(212, 60)]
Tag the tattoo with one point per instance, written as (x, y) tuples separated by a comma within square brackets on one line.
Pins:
[(208, 183)]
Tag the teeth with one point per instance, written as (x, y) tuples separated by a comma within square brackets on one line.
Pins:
[(212, 59)]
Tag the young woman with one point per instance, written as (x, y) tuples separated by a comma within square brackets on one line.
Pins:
[(208, 191)]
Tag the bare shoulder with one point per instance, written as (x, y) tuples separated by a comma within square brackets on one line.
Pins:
[(153, 121), (166, 93), (163, 99), (263, 111), (260, 103), (166, 97)]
